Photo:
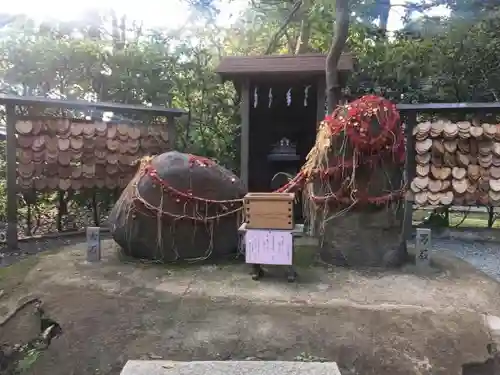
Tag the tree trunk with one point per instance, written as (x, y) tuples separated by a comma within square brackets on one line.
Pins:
[(332, 60), (385, 8)]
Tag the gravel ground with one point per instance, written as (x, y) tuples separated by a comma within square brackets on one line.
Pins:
[(29, 248), (485, 256)]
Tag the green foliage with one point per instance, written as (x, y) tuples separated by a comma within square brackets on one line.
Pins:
[(27, 362), (133, 66), (126, 64)]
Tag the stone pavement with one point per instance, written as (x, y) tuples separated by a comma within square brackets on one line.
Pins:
[(230, 367)]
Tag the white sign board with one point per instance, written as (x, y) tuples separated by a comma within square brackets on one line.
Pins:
[(269, 247), (423, 245), (93, 244)]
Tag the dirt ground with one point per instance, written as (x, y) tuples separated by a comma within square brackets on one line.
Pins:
[(369, 322)]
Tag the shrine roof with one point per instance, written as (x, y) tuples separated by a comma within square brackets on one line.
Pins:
[(280, 64)]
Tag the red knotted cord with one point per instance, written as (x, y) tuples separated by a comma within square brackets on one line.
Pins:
[(370, 124)]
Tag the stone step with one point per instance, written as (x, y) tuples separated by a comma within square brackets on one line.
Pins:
[(229, 368)]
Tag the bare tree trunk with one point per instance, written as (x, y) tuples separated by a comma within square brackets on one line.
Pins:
[(332, 60), (385, 8)]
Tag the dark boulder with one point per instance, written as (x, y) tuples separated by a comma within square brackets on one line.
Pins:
[(179, 207)]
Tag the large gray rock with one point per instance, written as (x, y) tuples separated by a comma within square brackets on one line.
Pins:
[(174, 235), (229, 367), (364, 239), (365, 235)]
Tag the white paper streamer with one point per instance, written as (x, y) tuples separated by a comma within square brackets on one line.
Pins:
[(255, 97), (306, 95), (270, 96), (289, 97)]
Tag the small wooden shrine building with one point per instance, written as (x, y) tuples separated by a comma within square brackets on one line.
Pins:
[(282, 101)]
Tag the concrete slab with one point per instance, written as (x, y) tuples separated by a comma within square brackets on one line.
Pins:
[(229, 368)]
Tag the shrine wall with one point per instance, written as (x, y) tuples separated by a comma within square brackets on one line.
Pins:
[(61, 153), (456, 164)]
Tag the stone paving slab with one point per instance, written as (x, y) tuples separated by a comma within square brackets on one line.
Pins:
[(230, 368)]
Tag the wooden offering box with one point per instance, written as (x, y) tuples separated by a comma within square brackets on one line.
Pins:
[(269, 211)]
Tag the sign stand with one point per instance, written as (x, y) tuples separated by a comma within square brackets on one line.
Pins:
[(269, 247), (93, 244), (423, 245), (268, 231)]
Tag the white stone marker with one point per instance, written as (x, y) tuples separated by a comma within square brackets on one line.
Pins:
[(423, 245), (93, 244), (230, 368)]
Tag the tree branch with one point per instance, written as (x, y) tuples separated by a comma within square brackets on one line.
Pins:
[(279, 33), (291, 44)]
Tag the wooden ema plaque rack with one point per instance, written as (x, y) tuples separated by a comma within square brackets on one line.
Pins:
[(268, 231), (269, 211)]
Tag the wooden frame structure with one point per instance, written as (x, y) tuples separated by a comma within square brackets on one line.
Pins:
[(243, 70), (409, 114), (12, 102)]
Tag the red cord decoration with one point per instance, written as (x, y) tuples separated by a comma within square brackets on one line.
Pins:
[(370, 124), (200, 161), (150, 171)]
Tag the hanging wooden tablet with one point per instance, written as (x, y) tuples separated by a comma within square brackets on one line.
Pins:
[(88, 158), (112, 145), (37, 127), (24, 127), (40, 183), (63, 144), (76, 143), (76, 184), (64, 171), (52, 183), (88, 131), (76, 129), (39, 169), (64, 184), (101, 128), (111, 169), (111, 182), (64, 158), (24, 141), (134, 132), (76, 156), (133, 146), (76, 172), (111, 133), (100, 142), (88, 171), (24, 155), (112, 158), (100, 183), (63, 126), (88, 183)]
